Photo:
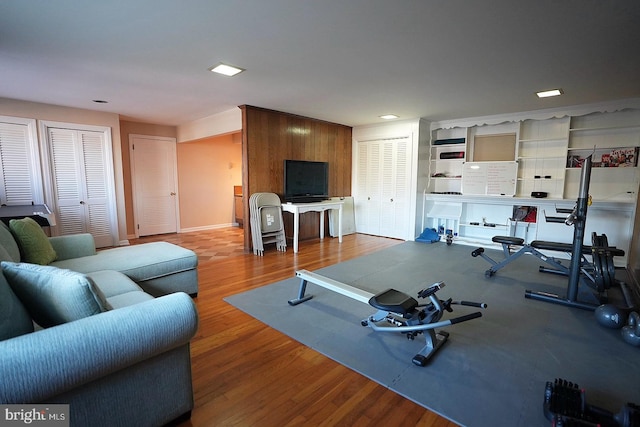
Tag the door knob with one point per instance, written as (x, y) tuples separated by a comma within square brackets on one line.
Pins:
[(172, 193), (81, 202)]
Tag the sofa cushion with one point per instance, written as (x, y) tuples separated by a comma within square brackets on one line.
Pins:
[(139, 262), (14, 318), (51, 295), (8, 242), (34, 245), (118, 290)]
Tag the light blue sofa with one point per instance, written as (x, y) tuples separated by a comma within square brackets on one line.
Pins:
[(123, 361)]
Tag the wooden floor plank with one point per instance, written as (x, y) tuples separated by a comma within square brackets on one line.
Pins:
[(247, 374)]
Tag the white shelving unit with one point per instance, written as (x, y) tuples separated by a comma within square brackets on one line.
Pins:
[(542, 156), (545, 146), (445, 174), (601, 134)]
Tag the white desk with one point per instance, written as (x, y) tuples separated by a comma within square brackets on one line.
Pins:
[(297, 208)]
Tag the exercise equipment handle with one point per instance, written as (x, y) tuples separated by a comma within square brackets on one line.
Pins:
[(474, 304), (431, 290), (466, 317)]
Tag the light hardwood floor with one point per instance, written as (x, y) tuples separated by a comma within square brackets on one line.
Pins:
[(247, 374)]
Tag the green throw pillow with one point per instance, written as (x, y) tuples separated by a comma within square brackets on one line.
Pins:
[(53, 295), (34, 244)]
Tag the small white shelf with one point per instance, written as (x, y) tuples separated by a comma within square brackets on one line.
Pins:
[(485, 227), (605, 129), (541, 158)]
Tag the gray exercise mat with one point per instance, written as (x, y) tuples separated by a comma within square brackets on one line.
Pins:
[(492, 371)]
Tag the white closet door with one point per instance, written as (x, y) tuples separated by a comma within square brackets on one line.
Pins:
[(95, 178), (20, 182), (368, 188), (383, 190), (395, 199), (80, 176)]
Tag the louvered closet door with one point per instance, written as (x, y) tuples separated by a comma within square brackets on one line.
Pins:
[(16, 166), (394, 201), (368, 188), (383, 191), (78, 163)]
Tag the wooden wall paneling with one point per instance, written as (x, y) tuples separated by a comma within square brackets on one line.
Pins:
[(269, 137)]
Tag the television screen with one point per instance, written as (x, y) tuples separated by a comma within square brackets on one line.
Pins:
[(306, 181)]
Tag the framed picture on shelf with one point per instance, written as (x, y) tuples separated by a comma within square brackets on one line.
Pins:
[(621, 157)]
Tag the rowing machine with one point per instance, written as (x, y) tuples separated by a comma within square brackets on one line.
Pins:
[(397, 311)]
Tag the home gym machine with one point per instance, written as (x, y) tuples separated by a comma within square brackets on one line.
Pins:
[(600, 255), (598, 274), (397, 311)]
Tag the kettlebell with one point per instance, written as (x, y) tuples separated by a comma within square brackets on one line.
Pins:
[(610, 316), (631, 332)]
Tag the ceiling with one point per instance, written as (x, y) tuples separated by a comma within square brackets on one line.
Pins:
[(344, 61)]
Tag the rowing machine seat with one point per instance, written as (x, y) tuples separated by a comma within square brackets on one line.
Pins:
[(394, 301)]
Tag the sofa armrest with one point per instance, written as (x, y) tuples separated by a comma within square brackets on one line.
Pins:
[(37, 366), (73, 245)]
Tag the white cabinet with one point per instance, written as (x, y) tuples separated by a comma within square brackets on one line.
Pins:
[(383, 187)]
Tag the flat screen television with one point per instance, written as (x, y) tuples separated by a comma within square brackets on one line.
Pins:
[(306, 181)]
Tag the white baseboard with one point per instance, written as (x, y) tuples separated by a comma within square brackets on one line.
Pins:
[(207, 227), (188, 230)]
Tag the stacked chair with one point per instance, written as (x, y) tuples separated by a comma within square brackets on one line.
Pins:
[(266, 222)]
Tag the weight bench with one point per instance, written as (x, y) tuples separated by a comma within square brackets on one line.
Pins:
[(508, 242), (601, 272), (397, 311)]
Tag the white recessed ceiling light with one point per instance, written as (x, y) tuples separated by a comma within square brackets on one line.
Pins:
[(389, 116), (227, 70), (548, 93)]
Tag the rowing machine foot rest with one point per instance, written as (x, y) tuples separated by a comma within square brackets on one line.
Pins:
[(435, 340)]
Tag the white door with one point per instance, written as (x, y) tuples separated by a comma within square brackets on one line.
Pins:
[(383, 190), (20, 178), (367, 197), (155, 188), (82, 183), (395, 197)]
